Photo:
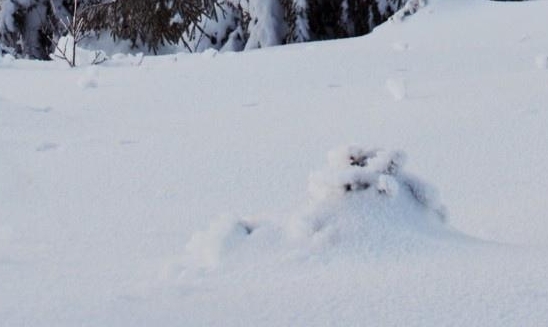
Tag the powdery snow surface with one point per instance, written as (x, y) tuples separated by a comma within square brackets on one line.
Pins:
[(191, 190)]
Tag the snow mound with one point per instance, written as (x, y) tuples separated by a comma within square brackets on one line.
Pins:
[(362, 205), (6, 59), (121, 59), (352, 169), (364, 202), (206, 248)]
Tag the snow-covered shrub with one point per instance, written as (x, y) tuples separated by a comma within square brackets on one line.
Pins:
[(225, 30), (31, 27), (68, 50), (355, 169), (149, 23), (364, 203), (410, 7), (296, 16), (241, 24), (361, 204)]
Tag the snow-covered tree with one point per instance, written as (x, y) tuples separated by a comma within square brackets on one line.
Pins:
[(267, 26), (25, 27), (241, 24), (296, 16), (344, 18), (149, 23), (32, 27), (260, 23), (225, 30)]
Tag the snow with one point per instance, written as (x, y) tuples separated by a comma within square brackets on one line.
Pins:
[(264, 30), (6, 15), (193, 189), (365, 206), (6, 60), (64, 51), (541, 61), (397, 88)]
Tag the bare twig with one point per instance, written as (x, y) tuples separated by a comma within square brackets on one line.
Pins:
[(76, 28), (98, 58)]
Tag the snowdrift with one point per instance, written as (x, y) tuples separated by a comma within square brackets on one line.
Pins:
[(363, 205), (106, 174)]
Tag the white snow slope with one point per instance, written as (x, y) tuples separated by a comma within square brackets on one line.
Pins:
[(128, 190)]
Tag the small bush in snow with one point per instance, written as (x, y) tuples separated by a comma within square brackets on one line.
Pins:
[(362, 203), (32, 27), (354, 169), (410, 7), (149, 23)]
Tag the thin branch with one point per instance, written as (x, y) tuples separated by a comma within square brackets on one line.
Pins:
[(98, 59), (63, 52)]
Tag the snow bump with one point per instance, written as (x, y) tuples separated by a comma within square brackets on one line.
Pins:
[(361, 205)]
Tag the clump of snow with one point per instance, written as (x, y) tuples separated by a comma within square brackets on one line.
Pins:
[(347, 170), (6, 59), (122, 59), (541, 61), (103, 41), (210, 53), (397, 88), (206, 247), (410, 7), (176, 19), (362, 203)]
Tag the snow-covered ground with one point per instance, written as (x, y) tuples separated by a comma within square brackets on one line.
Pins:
[(175, 190)]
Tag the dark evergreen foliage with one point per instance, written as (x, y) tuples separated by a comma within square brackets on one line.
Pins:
[(331, 19), (150, 23)]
